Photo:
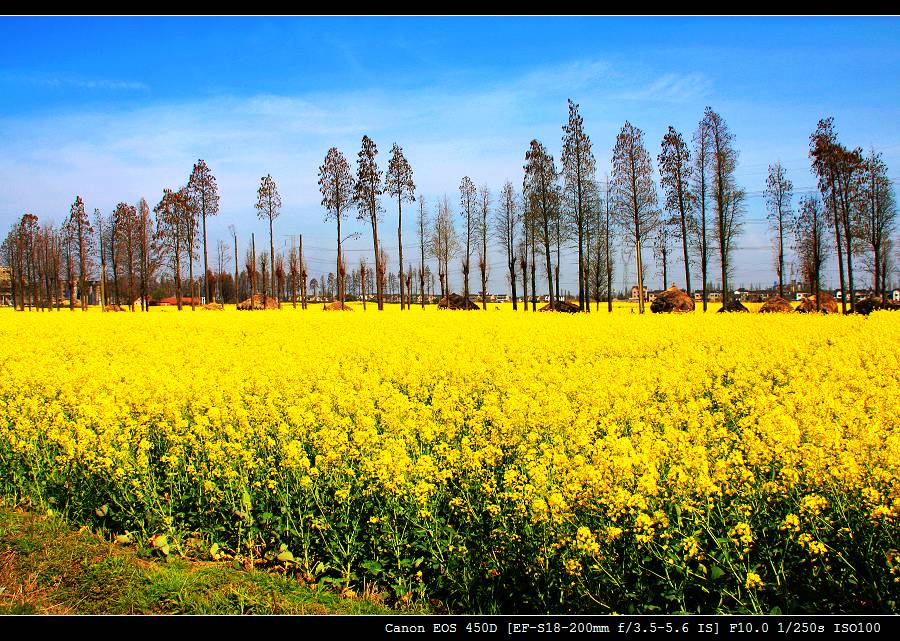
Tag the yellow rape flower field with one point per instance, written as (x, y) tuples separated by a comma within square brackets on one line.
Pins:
[(488, 461)]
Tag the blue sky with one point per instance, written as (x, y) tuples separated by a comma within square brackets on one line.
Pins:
[(118, 108)]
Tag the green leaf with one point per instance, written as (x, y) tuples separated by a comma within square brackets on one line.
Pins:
[(372, 566), (716, 572), (776, 610), (285, 557)]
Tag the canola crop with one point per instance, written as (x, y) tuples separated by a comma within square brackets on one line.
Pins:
[(488, 461)]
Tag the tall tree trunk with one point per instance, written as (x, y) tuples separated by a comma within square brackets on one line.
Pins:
[(840, 245), (400, 244), (780, 253), (608, 265), (206, 292), (178, 271), (558, 256), (533, 270), (582, 281), (379, 290), (586, 274), (237, 274), (191, 275), (339, 258), (665, 260), (252, 274), (272, 262), (684, 238), (637, 238)]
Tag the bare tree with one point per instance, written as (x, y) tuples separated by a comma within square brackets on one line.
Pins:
[(98, 220), (700, 226), (251, 269), (779, 193), (189, 212), (204, 195), (366, 193), (505, 223), (381, 271), (662, 243), (222, 262), (294, 274), (850, 170), (541, 193), (398, 183), (83, 233), (522, 250), (484, 209), (727, 196), (607, 245), (279, 277), (336, 185), (445, 244), (823, 154), (303, 274), (675, 171), (422, 223), (171, 234), (146, 250), (809, 232), (264, 272), (362, 280), (599, 221), (634, 193), (268, 204), (878, 215), (467, 196), (578, 168)]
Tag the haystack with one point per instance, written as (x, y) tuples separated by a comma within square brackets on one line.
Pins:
[(733, 306), (457, 302), (776, 305), (114, 308), (672, 300), (257, 302), (560, 306), (868, 305), (337, 306), (214, 307), (828, 306)]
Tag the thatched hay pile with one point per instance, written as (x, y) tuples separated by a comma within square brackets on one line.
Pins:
[(214, 307), (114, 308), (776, 305), (456, 302), (257, 302), (868, 305), (673, 300), (337, 306), (733, 306), (828, 305), (560, 306)]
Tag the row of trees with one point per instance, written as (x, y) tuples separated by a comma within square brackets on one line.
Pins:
[(702, 211), (133, 244)]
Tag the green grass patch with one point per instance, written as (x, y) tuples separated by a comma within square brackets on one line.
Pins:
[(48, 567)]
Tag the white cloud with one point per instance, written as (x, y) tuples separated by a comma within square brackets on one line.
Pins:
[(671, 87)]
